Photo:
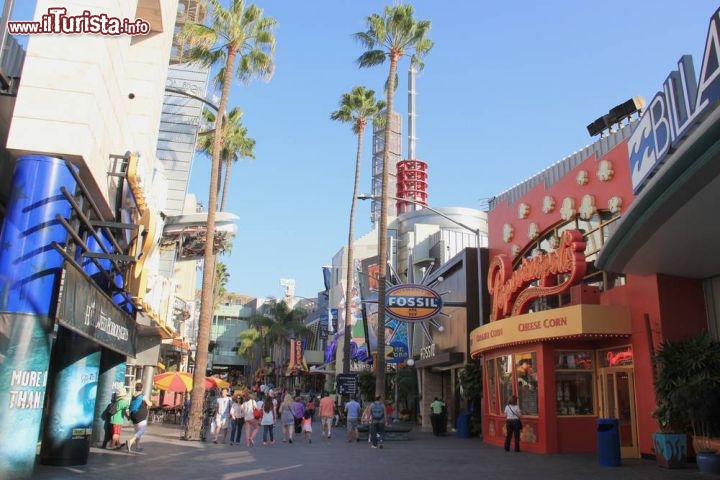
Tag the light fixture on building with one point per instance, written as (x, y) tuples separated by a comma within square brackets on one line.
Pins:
[(616, 115)]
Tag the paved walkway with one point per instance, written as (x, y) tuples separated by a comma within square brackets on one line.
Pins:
[(422, 457)]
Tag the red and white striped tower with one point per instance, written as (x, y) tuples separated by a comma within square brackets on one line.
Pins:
[(412, 174)]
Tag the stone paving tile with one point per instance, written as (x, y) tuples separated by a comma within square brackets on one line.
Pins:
[(424, 456)]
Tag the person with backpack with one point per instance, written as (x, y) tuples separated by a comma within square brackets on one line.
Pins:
[(377, 425), (139, 417), (116, 411)]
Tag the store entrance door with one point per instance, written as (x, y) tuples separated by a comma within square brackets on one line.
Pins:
[(616, 386)]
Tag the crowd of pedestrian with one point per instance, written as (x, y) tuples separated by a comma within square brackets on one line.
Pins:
[(253, 410)]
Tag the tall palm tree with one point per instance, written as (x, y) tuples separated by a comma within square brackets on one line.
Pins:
[(241, 41), (235, 145), (355, 108), (393, 35)]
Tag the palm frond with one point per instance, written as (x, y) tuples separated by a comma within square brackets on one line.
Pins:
[(371, 58)]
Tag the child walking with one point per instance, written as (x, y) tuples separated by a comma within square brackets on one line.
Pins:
[(307, 426)]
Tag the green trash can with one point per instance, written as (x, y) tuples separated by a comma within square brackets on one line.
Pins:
[(608, 440)]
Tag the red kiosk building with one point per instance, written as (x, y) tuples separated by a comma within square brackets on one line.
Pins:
[(595, 262)]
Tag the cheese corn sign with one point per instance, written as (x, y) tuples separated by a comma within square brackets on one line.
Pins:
[(412, 302)]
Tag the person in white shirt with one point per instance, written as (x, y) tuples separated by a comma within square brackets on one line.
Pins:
[(237, 420), (268, 422), (513, 424), (222, 415), (251, 423)]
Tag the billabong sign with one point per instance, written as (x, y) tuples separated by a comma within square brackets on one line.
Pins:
[(682, 102), (412, 302)]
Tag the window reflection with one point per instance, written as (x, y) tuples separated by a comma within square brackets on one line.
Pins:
[(505, 380), (527, 382), (492, 386), (574, 382)]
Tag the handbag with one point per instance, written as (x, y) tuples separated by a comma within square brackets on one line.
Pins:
[(257, 413), (519, 422)]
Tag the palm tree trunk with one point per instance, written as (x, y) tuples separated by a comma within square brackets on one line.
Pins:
[(382, 233), (206, 301), (350, 254), (226, 183), (220, 173)]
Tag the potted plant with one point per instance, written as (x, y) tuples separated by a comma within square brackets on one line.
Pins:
[(687, 391)]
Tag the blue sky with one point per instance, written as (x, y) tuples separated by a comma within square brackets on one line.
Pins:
[(507, 90), (505, 93)]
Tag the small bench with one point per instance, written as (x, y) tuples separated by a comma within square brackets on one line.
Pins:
[(392, 432)]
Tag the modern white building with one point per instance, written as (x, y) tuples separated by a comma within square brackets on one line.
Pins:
[(95, 160)]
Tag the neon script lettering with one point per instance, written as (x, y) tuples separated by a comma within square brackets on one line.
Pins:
[(504, 283)]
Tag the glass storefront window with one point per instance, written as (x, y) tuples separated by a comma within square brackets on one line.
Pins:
[(491, 385), (527, 383), (505, 379), (616, 357), (573, 360), (509, 375), (574, 393), (574, 383)]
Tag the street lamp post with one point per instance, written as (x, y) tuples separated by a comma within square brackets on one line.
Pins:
[(476, 231)]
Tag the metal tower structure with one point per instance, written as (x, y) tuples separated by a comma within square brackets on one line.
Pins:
[(412, 174), (377, 161)]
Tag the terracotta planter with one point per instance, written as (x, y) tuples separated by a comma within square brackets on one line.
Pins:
[(671, 449)]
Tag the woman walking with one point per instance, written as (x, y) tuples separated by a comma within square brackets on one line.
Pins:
[(139, 416), (287, 418), (268, 422), (237, 419), (251, 423), (513, 424)]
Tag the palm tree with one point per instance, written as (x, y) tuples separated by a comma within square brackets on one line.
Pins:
[(279, 323), (393, 35), (248, 340), (222, 276), (235, 33), (236, 145), (355, 107)]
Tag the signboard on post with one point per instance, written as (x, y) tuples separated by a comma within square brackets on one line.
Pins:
[(347, 384)]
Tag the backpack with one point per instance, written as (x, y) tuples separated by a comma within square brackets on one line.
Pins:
[(377, 411), (136, 402)]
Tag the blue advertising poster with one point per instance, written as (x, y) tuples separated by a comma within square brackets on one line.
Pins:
[(29, 278), (74, 376), (24, 360)]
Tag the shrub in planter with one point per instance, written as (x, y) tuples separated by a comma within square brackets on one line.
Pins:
[(687, 389)]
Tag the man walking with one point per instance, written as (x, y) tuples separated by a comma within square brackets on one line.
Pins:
[(327, 412), (377, 425), (352, 413), (436, 410)]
